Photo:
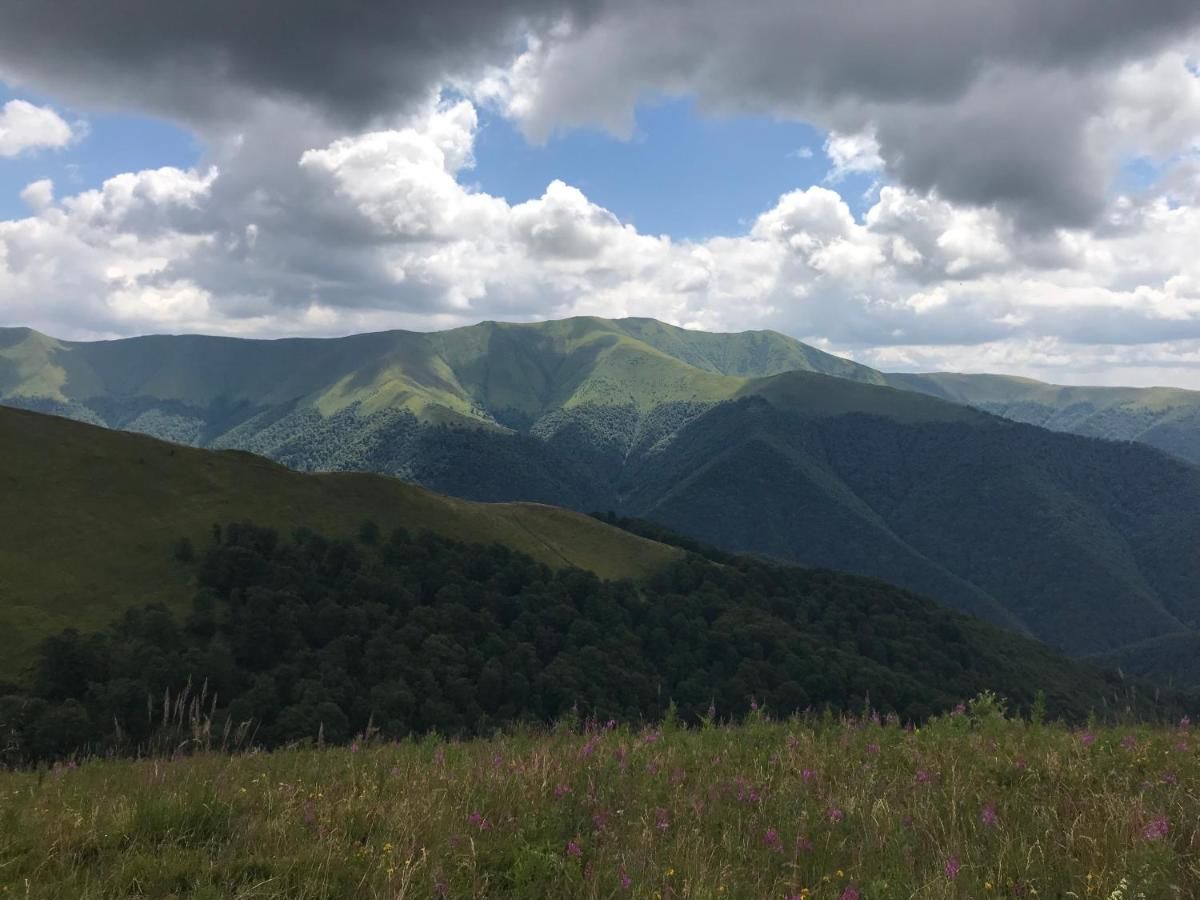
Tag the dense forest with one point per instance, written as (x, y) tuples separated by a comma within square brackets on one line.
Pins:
[(303, 636)]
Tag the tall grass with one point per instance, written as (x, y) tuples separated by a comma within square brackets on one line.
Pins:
[(971, 805)]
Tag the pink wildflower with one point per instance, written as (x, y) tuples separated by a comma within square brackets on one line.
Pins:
[(772, 841), (988, 817), (952, 867)]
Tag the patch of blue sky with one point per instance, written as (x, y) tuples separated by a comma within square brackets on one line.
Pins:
[(683, 173), (108, 145)]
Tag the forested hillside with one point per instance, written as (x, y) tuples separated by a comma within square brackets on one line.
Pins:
[(306, 635), (94, 520)]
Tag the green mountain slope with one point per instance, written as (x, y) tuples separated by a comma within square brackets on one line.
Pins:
[(1166, 418), (91, 516)]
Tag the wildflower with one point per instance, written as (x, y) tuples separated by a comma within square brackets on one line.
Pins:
[(561, 791), (872, 748), (610, 724), (1087, 739), (803, 844), (1129, 742), (652, 737), (573, 849), (753, 705), (589, 748), (677, 777), (952, 867), (834, 815), (808, 774), (439, 756), (661, 820), (1021, 764), (923, 777), (959, 710), (1185, 723), (988, 817), (354, 746), (479, 821), (772, 840), (600, 819), (1156, 829), (851, 893), (624, 880)]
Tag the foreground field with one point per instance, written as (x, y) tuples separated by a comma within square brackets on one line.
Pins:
[(969, 806)]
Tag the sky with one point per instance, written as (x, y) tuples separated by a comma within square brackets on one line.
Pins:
[(917, 184)]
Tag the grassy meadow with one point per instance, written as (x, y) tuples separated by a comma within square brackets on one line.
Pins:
[(971, 805)]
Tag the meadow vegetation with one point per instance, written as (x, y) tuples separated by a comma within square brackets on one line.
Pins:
[(971, 804)]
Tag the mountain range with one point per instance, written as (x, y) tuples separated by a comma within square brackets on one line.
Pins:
[(753, 442)]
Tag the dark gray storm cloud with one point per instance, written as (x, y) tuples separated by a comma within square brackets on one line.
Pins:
[(200, 61)]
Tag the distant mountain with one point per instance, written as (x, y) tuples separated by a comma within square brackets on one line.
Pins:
[(752, 442), (1166, 418), (91, 518)]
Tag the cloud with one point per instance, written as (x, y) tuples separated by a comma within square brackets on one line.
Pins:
[(24, 126), (38, 195), (381, 229), (214, 62), (852, 153), (987, 104)]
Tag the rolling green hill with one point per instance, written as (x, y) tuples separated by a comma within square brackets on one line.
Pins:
[(91, 516), (1166, 418), (753, 442)]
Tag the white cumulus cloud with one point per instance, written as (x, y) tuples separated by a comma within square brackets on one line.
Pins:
[(24, 126)]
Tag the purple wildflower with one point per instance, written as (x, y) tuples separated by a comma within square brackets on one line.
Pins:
[(662, 821), (851, 893), (600, 819), (834, 815), (561, 791), (952, 867), (573, 849), (624, 880), (1156, 829), (804, 844), (772, 841), (808, 774), (1129, 742), (872, 748), (988, 817), (1087, 739), (923, 777)]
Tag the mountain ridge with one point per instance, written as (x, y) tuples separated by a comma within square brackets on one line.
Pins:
[(1027, 527)]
